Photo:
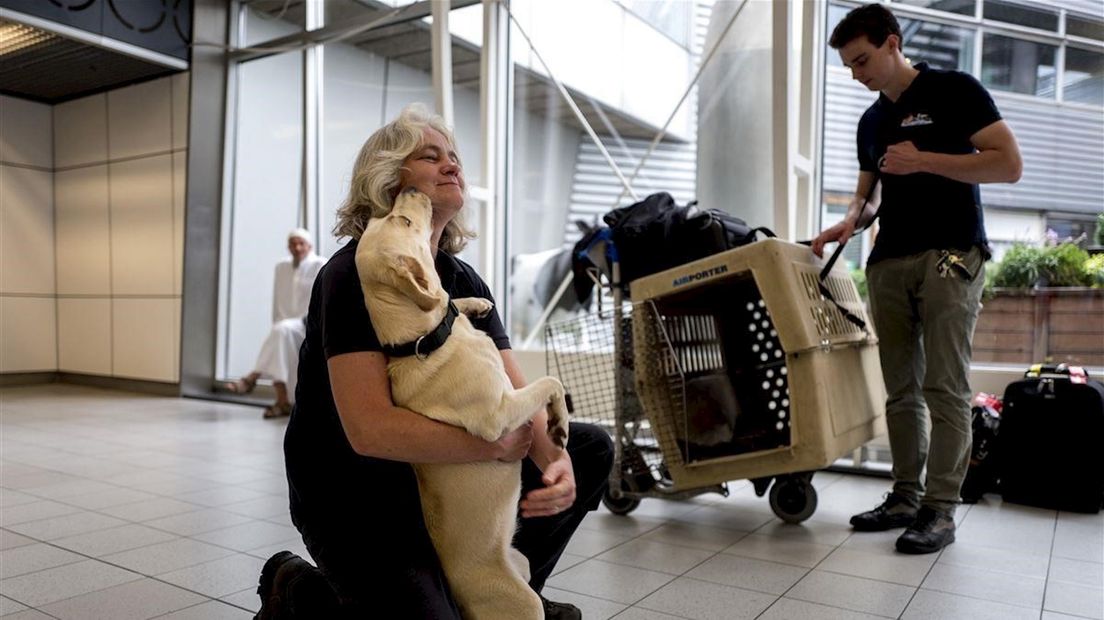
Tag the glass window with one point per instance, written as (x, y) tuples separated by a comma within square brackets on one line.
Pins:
[(939, 45), (267, 199), (626, 83), (1083, 81), (265, 20), (1017, 66), (671, 17), (1077, 229), (1085, 27), (1020, 14), (961, 7)]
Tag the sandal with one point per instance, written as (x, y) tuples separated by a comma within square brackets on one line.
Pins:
[(244, 385), (277, 410)]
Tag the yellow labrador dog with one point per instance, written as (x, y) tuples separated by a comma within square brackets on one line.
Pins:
[(470, 509)]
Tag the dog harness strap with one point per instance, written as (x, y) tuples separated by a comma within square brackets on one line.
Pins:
[(428, 343)]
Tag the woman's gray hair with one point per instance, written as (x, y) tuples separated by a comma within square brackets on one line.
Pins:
[(376, 176)]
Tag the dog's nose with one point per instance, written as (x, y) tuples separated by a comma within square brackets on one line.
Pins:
[(410, 190)]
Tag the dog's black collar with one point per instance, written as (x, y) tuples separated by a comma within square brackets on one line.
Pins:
[(428, 343)]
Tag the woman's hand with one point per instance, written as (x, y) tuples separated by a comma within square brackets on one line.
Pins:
[(513, 446), (558, 493)]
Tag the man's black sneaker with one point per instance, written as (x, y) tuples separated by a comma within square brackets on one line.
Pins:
[(560, 611), (931, 531), (279, 572), (895, 511)]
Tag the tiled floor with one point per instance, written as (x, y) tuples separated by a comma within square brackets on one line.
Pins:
[(121, 506)]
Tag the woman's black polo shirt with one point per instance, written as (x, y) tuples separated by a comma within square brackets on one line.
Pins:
[(324, 472)]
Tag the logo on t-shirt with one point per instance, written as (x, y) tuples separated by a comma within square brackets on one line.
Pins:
[(916, 120)]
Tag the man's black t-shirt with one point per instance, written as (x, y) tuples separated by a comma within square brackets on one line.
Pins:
[(324, 472), (938, 112)]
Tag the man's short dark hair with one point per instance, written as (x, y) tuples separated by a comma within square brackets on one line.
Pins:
[(873, 21)]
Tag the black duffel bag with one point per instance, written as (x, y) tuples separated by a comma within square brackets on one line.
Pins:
[(656, 234)]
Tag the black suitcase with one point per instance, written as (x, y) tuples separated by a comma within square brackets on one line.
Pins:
[(1052, 426)]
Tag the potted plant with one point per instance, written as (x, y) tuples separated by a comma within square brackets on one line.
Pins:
[(1043, 303)]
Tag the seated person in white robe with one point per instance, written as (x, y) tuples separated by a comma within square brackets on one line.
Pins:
[(279, 357)]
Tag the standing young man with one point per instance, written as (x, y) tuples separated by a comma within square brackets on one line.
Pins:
[(929, 139)]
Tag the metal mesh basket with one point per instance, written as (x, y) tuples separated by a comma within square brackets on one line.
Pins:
[(601, 388)]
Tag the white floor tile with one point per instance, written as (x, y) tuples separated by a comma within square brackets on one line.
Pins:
[(929, 604), (656, 556), (783, 550), (592, 608), (220, 577), (967, 555), (246, 599), (35, 557), (114, 540), (1088, 574), (700, 600), (167, 557), (55, 584), (1078, 600), (637, 613), (198, 522), (865, 595), (136, 600), (66, 525), (97, 470), (988, 585), (249, 535), (34, 511), (791, 609), (908, 570), (613, 582), (11, 540), (748, 573), (695, 536), (211, 610), (8, 606)]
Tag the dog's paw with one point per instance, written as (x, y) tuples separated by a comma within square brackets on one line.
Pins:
[(557, 432), (474, 307)]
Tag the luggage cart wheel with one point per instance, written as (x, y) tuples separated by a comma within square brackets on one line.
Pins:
[(621, 505), (793, 499)]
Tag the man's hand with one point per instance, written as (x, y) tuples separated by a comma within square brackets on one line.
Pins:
[(513, 446), (902, 158), (558, 493), (840, 232)]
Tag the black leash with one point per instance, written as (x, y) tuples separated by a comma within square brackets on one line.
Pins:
[(827, 294)]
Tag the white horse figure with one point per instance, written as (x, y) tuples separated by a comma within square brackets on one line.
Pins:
[(536, 277)]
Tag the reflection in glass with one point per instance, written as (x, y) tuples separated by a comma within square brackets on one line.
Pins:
[(1083, 81), (265, 20), (940, 45), (1085, 27), (962, 7), (626, 82), (671, 17), (1020, 14), (267, 198), (1018, 66)]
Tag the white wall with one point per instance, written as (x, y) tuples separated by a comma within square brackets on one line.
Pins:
[(28, 335), (119, 161)]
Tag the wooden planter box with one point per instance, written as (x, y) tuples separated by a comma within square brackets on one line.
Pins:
[(1026, 326)]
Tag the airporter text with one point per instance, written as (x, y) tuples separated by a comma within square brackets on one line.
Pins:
[(701, 275)]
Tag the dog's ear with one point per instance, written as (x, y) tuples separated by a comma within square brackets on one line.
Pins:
[(410, 278)]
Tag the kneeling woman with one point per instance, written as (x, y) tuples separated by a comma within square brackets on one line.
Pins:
[(348, 448)]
